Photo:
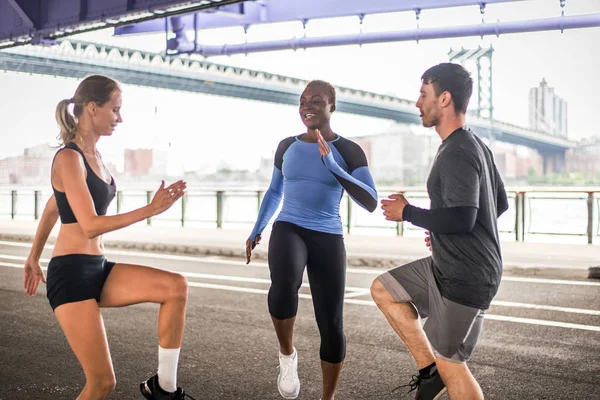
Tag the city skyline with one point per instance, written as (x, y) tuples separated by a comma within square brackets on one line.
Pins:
[(401, 155)]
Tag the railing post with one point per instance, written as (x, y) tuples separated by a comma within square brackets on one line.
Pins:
[(183, 207), (590, 219), (259, 197), (119, 201), (400, 225), (13, 204), (349, 213), (148, 201), (517, 216), (220, 208), (523, 212), (37, 197)]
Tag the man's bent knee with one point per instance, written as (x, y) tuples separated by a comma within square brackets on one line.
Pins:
[(452, 370), (379, 293)]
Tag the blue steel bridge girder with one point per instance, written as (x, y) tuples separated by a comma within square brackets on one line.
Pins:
[(497, 28), (28, 11), (77, 59), (271, 11), (42, 21)]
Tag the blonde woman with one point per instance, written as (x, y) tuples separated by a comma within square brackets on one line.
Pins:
[(80, 280)]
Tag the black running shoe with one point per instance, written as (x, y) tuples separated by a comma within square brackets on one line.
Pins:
[(152, 391), (428, 388)]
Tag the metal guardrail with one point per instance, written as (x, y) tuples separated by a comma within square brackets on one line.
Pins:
[(222, 200)]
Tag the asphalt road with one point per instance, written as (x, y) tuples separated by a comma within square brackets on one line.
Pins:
[(541, 338)]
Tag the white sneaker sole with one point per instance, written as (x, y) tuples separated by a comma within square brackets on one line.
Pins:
[(440, 394), (288, 396)]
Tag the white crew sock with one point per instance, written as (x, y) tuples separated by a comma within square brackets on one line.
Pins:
[(288, 356), (167, 369)]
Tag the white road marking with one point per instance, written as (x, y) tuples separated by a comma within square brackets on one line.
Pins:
[(550, 281), (213, 260), (543, 322), (544, 307), (350, 300), (353, 291)]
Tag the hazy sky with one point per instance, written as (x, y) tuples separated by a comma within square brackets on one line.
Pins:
[(205, 130)]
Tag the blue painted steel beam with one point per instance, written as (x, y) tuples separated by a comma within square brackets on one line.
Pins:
[(21, 8), (497, 28), (28, 21), (270, 11)]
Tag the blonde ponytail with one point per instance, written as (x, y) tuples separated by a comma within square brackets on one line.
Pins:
[(66, 122)]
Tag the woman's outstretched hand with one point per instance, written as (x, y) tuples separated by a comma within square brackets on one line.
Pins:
[(165, 197)]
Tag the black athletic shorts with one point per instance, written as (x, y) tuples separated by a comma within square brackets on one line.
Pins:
[(76, 277)]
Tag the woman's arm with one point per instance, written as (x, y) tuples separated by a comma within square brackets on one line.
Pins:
[(359, 184), (45, 226), (32, 271), (269, 205), (71, 172)]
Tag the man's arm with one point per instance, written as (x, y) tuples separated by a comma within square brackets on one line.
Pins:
[(459, 176), (502, 197), (442, 220)]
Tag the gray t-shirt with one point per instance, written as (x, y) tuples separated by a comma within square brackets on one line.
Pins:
[(467, 266)]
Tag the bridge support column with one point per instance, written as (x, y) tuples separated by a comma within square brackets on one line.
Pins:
[(554, 161)]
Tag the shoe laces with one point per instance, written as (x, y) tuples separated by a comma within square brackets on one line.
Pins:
[(287, 369), (414, 384)]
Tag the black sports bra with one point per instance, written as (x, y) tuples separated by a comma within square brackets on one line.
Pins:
[(102, 193)]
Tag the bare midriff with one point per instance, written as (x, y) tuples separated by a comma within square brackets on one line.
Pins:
[(72, 240)]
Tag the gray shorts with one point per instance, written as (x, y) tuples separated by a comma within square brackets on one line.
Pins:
[(452, 329)]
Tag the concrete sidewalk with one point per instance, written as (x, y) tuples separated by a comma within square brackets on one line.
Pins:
[(363, 251)]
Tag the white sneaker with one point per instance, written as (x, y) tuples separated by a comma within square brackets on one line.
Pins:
[(287, 381)]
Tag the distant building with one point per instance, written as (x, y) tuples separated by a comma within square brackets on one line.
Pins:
[(585, 158), (265, 168), (138, 162), (402, 155), (547, 111), (33, 167), (160, 163), (516, 163)]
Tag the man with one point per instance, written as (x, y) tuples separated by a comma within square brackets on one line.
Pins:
[(455, 285)]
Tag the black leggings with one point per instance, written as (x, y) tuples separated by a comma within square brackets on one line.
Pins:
[(291, 248)]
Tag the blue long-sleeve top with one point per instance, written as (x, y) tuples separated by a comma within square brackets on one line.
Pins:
[(312, 186)]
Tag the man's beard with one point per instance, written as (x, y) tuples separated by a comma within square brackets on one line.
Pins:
[(435, 121)]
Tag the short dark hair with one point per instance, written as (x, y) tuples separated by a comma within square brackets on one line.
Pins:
[(326, 85), (452, 78)]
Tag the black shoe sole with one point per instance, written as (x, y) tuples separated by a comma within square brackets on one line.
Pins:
[(145, 391)]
